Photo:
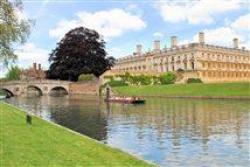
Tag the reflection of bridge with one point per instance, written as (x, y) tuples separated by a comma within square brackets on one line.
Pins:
[(45, 87)]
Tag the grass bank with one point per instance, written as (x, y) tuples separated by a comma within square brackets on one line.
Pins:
[(45, 144), (223, 90), (1, 93)]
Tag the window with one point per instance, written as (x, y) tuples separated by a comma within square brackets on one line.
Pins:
[(192, 65), (208, 65), (185, 66)]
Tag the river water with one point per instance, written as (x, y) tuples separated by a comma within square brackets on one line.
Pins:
[(169, 132)]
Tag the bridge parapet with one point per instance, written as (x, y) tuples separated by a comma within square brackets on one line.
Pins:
[(44, 86), (36, 82), (19, 88)]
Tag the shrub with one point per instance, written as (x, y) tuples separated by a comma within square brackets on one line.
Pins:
[(135, 80), (168, 78), (145, 80), (13, 73), (194, 80), (128, 78), (110, 78), (156, 80), (86, 77), (115, 83)]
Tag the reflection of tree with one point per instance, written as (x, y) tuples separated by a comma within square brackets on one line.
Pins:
[(171, 119), (87, 120), (31, 104), (186, 118)]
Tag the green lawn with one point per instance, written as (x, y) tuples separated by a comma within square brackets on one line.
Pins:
[(1, 93), (208, 90), (44, 144)]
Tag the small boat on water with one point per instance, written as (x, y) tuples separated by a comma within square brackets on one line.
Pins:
[(125, 100)]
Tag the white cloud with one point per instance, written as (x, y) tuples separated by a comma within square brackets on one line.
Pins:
[(224, 35), (195, 12), (242, 23), (158, 35), (221, 36), (112, 23), (29, 53)]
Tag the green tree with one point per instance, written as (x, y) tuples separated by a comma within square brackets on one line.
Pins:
[(86, 77), (13, 29), (168, 78), (156, 80), (145, 79), (81, 51), (13, 73)]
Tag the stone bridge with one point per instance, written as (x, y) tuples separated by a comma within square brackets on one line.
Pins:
[(45, 87)]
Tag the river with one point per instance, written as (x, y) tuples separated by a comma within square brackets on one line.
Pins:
[(170, 132)]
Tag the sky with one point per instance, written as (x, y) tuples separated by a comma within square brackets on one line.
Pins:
[(126, 23)]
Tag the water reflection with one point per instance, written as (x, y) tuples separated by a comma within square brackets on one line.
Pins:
[(172, 132)]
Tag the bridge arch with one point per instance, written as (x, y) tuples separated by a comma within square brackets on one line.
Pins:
[(8, 92), (33, 89), (58, 91)]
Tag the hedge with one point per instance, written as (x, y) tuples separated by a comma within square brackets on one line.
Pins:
[(194, 80)]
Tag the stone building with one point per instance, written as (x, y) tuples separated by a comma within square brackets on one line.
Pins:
[(197, 60), (33, 73)]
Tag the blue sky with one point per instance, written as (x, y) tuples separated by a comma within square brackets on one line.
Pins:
[(127, 23)]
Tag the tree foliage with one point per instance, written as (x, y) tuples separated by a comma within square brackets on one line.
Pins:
[(86, 77), (168, 78), (81, 51), (13, 73), (116, 83), (194, 80), (14, 29)]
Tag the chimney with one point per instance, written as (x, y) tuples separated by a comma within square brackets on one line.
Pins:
[(173, 41), (201, 38), (157, 46), (236, 43), (139, 49), (34, 66), (39, 67)]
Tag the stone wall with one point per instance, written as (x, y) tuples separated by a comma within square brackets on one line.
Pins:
[(88, 88)]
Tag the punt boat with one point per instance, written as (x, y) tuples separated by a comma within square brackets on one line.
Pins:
[(125, 100)]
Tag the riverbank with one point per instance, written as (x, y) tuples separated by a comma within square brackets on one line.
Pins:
[(45, 144), (197, 90)]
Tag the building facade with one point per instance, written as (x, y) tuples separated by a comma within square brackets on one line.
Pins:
[(210, 63), (33, 73)]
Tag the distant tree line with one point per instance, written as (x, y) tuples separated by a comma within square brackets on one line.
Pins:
[(128, 79)]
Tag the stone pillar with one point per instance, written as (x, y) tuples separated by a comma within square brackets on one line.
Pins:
[(156, 45), (139, 49), (34, 66), (39, 67), (201, 38), (236, 43), (173, 41)]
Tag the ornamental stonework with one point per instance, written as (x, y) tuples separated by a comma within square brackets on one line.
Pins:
[(211, 63)]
